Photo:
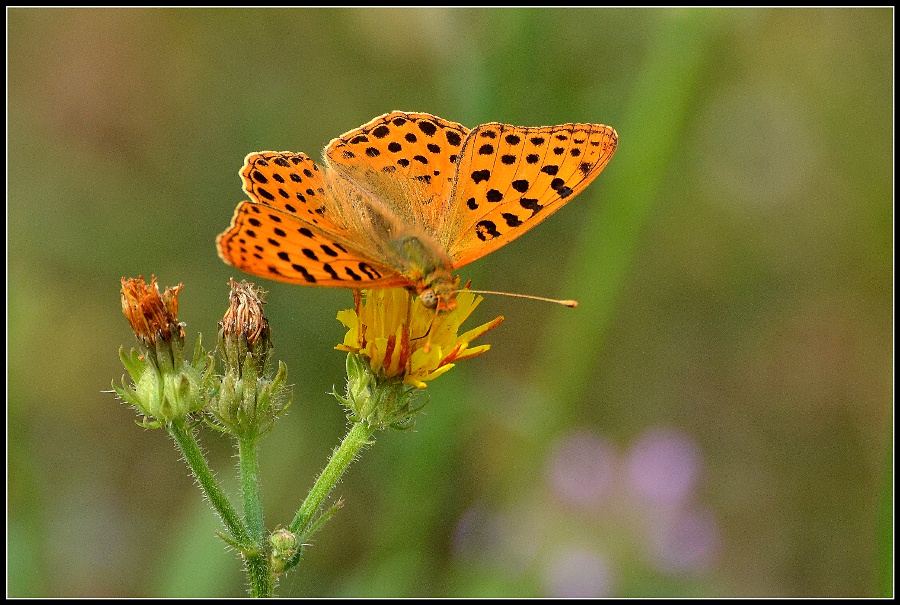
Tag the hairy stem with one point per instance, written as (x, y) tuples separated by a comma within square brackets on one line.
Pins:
[(357, 438), (184, 437), (253, 511)]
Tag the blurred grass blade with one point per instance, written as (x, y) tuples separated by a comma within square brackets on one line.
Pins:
[(649, 138)]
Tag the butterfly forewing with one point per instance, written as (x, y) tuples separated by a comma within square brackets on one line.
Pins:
[(511, 178), (416, 148)]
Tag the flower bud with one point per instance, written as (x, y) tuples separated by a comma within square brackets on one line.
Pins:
[(284, 545), (250, 397)]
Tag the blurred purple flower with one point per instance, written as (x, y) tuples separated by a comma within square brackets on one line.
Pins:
[(577, 573), (687, 541), (663, 466), (582, 469)]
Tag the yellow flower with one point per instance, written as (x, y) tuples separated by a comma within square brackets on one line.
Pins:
[(398, 336)]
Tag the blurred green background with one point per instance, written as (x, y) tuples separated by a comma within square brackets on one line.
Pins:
[(715, 419)]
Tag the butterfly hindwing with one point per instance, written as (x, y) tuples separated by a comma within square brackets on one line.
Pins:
[(291, 182), (511, 178), (287, 232)]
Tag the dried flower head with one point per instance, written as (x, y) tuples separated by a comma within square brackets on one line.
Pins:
[(152, 316), (251, 397), (166, 386)]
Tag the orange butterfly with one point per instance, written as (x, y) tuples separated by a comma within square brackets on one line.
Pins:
[(405, 200)]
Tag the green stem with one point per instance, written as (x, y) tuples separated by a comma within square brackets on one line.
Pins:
[(184, 437), (262, 581), (356, 439), (253, 511)]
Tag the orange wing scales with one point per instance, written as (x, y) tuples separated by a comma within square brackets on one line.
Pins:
[(512, 178)]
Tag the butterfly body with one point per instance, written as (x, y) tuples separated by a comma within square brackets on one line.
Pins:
[(405, 200), (384, 216)]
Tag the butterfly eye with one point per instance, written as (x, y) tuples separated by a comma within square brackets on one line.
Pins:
[(428, 298)]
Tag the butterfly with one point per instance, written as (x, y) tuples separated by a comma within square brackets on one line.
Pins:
[(405, 200)]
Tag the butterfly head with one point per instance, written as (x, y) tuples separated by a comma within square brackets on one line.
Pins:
[(439, 293)]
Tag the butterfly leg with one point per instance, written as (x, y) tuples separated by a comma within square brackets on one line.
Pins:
[(427, 346), (412, 299)]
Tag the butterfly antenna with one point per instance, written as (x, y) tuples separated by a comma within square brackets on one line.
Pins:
[(566, 303)]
